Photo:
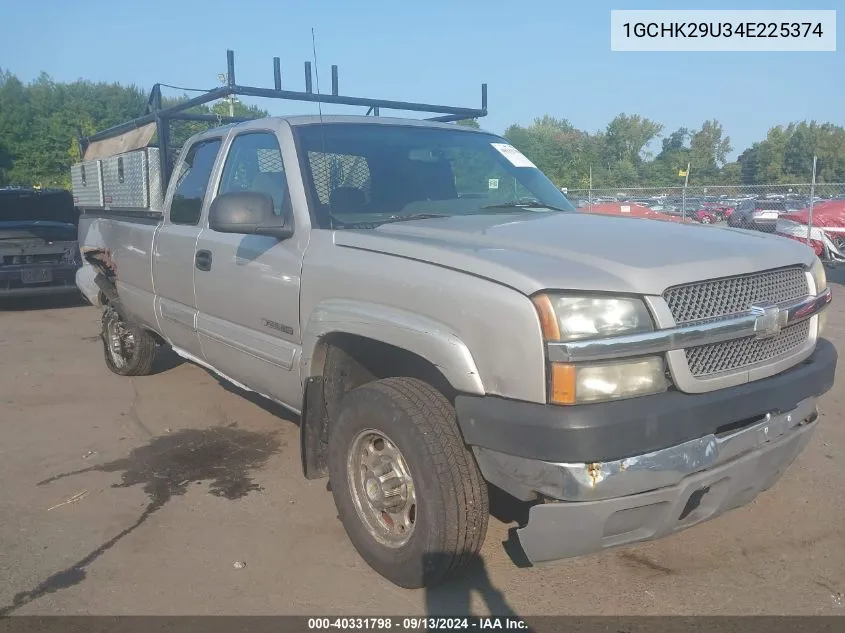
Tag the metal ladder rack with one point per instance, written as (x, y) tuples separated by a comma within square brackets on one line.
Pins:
[(160, 118)]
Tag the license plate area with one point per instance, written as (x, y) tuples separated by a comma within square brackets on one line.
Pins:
[(36, 276)]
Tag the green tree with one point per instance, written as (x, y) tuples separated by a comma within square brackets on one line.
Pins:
[(708, 152), (554, 145), (5, 163), (731, 174), (674, 156), (627, 136)]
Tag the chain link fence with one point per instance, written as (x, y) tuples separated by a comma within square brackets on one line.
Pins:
[(793, 210)]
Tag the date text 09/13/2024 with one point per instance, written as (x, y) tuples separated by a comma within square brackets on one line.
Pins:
[(420, 623)]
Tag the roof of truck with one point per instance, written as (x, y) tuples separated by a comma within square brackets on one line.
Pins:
[(314, 119), (311, 119)]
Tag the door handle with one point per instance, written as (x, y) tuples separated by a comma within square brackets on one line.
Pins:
[(203, 260)]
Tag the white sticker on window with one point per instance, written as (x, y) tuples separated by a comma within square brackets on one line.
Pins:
[(493, 183), (514, 156)]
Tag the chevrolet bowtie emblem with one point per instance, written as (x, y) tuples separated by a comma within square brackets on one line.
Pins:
[(769, 319)]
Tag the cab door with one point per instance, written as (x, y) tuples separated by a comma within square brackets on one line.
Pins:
[(173, 256), (248, 291)]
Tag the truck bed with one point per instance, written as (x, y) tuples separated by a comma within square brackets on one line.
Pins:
[(128, 258)]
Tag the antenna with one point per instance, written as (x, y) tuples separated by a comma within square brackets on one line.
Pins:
[(316, 74), (322, 134)]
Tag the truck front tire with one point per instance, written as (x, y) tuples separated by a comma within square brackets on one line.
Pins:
[(406, 487), (128, 348)]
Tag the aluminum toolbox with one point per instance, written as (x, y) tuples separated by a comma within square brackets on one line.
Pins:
[(131, 180), (87, 181), (126, 181)]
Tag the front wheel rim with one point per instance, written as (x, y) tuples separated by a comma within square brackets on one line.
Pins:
[(382, 488)]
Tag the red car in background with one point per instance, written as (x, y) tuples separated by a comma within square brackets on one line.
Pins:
[(712, 212)]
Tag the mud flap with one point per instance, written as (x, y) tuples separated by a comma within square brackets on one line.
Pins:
[(314, 431)]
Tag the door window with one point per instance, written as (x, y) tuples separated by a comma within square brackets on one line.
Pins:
[(254, 163), (192, 181)]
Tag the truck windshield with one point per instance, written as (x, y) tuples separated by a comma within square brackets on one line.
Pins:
[(365, 174)]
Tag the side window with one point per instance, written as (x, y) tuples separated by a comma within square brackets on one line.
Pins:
[(192, 181), (254, 163)]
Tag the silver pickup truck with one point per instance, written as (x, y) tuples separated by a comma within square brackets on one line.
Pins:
[(441, 317)]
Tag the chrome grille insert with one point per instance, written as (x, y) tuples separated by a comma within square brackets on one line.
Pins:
[(732, 296), (728, 296), (707, 360)]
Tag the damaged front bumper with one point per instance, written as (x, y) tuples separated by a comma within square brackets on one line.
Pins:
[(655, 465), (649, 496)]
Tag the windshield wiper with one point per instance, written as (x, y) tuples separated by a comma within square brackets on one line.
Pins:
[(391, 219), (413, 216), (526, 204)]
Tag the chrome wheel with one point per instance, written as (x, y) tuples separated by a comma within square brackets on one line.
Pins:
[(120, 342), (382, 488)]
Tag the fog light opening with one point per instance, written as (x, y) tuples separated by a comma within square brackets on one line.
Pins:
[(693, 502)]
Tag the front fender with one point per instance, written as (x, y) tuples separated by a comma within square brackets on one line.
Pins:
[(425, 337)]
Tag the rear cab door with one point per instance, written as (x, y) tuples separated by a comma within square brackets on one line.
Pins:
[(173, 257)]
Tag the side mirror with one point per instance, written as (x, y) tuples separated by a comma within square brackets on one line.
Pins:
[(249, 213)]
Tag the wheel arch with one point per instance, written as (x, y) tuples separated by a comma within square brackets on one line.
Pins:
[(349, 343)]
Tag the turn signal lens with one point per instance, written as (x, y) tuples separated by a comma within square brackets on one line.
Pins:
[(563, 383), (548, 319)]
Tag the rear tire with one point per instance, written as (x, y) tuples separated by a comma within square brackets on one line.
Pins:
[(129, 349), (406, 487)]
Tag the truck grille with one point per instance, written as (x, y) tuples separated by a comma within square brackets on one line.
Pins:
[(707, 360), (723, 298)]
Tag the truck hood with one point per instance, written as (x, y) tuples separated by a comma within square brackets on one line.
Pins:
[(575, 251)]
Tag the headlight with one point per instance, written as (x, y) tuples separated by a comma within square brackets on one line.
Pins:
[(565, 318), (820, 280), (581, 384), (819, 275), (571, 318)]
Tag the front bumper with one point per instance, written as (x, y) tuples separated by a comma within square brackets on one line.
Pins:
[(563, 530), (633, 470), (63, 280), (617, 429)]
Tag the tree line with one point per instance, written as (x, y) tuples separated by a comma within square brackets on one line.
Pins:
[(41, 121)]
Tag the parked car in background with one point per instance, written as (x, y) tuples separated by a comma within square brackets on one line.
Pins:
[(760, 215), (707, 216), (39, 254)]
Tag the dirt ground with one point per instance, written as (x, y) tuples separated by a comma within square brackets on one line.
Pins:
[(139, 495)]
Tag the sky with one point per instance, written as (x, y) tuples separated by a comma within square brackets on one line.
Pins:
[(537, 57)]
